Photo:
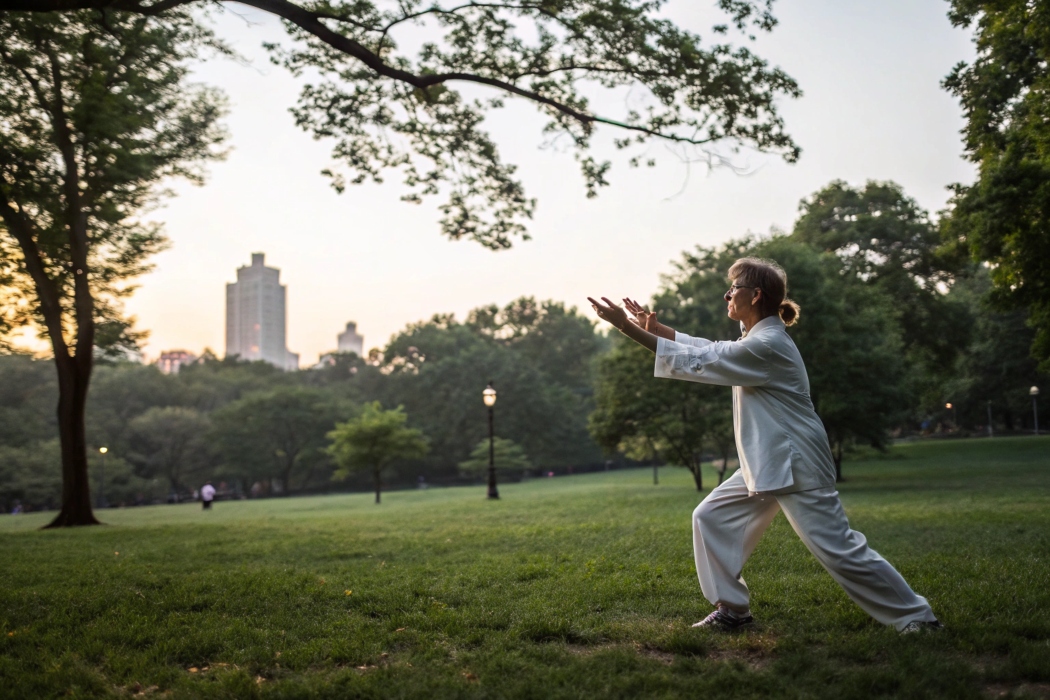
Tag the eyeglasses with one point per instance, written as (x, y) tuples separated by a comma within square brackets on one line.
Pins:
[(732, 290)]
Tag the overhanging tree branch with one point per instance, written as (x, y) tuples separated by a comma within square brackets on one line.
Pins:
[(310, 22)]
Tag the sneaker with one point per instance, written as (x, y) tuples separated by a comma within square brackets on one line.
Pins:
[(917, 626), (724, 621)]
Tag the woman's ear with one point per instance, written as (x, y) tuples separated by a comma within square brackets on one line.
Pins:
[(756, 296)]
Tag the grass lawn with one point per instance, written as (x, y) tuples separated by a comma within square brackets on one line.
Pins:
[(570, 587)]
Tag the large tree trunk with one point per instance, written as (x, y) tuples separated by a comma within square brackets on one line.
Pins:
[(72, 398), (379, 484), (725, 466), (287, 476), (698, 477)]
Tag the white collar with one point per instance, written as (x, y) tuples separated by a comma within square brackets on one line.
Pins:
[(764, 323)]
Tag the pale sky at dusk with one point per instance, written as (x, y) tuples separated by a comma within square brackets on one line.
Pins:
[(872, 109)]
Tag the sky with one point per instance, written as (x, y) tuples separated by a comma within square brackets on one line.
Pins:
[(872, 109)]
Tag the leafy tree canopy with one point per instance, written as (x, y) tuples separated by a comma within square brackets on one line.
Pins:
[(278, 433), (27, 400), (169, 443), (373, 441), (1004, 217), (540, 355), (508, 458), (883, 237), (392, 102), (646, 417), (95, 112), (997, 368)]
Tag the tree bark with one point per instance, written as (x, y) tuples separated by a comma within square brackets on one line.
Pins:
[(837, 456), (287, 477), (379, 484), (725, 466), (76, 489), (698, 477)]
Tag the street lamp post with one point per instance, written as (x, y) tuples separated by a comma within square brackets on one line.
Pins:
[(955, 419), (1034, 393), (489, 397), (102, 478), (990, 433)]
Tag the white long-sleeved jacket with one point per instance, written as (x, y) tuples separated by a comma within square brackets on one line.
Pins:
[(781, 442)]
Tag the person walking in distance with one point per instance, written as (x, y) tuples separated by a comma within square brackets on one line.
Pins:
[(207, 496), (785, 457)]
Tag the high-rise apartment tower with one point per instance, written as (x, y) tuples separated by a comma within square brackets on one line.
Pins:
[(255, 316), (351, 341)]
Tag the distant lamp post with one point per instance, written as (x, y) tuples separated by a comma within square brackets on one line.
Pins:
[(102, 478), (1034, 393), (489, 397), (951, 407), (990, 433)]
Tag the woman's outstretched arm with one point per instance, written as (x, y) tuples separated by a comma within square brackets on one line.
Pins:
[(615, 315)]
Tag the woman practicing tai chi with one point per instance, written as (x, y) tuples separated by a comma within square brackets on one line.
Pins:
[(785, 458)]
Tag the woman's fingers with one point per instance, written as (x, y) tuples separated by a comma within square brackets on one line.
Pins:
[(633, 306), (602, 310), (609, 311)]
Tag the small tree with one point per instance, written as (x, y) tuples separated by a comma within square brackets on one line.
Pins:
[(372, 441), (509, 457), (639, 414)]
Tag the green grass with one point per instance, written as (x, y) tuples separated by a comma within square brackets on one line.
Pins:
[(571, 587)]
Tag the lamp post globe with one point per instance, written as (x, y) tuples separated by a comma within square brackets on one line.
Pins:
[(488, 396), (1034, 393), (102, 478)]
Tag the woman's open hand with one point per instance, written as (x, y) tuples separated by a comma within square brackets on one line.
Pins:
[(610, 312), (642, 316)]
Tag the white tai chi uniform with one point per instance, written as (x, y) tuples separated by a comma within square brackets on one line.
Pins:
[(785, 464)]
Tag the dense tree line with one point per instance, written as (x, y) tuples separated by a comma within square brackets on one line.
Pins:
[(894, 326), (249, 424)]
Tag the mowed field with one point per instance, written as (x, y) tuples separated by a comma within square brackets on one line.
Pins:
[(573, 587)]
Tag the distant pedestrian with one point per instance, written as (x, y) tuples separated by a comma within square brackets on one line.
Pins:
[(785, 458), (207, 495)]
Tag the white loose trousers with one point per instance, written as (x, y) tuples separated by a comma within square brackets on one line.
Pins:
[(729, 522)]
